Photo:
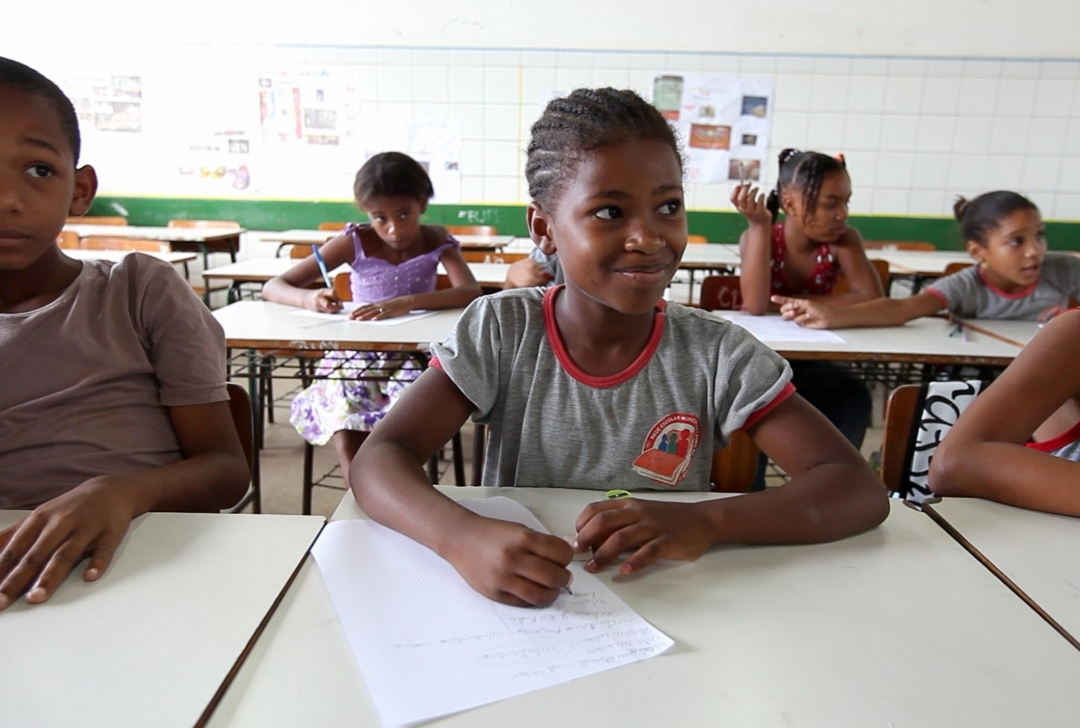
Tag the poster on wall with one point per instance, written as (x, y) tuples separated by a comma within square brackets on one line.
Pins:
[(107, 103), (723, 121), (216, 164), (313, 108)]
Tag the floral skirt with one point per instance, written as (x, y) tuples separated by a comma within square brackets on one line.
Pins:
[(352, 391)]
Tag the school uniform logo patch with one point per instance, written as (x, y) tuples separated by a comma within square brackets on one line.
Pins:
[(669, 449)]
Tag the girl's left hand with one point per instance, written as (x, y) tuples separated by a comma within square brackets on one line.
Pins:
[(383, 310), (651, 529)]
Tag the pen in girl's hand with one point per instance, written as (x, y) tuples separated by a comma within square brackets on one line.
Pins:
[(322, 267)]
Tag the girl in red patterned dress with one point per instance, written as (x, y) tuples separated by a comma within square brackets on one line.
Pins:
[(803, 256)]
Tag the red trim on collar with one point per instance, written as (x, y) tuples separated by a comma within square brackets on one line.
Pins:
[(563, 356), (1012, 296)]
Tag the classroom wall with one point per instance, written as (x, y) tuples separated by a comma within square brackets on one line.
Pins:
[(926, 99)]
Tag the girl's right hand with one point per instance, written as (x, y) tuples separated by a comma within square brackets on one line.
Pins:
[(809, 314), (323, 300), (750, 202), (511, 563)]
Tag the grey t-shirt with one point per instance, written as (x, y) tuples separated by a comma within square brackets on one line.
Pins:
[(967, 293), (653, 426), (87, 378)]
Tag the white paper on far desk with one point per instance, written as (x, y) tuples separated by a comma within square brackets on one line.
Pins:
[(348, 307), (771, 329), (429, 645)]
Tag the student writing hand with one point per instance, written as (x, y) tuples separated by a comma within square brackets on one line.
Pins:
[(38, 552), (511, 563), (750, 203), (383, 310), (323, 300), (652, 530), (810, 314)]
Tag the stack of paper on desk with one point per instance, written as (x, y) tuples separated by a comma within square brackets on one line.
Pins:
[(428, 645)]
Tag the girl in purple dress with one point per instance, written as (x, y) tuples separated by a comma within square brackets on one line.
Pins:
[(394, 260)]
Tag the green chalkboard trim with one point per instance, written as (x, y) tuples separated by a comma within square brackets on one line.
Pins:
[(718, 226)]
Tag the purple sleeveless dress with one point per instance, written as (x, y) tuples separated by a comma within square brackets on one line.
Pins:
[(339, 399)]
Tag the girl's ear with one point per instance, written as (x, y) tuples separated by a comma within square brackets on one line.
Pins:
[(976, 250), (423, 206), (789, 202), (83, 193), (540, 228)]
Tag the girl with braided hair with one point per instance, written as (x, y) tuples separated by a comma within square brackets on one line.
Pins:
[(601, 384), (802, 256)]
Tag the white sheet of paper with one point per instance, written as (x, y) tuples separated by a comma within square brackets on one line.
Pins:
[(348, 307), (429, 645), (774, 328)]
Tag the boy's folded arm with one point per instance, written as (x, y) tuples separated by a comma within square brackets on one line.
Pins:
[(39, 551)]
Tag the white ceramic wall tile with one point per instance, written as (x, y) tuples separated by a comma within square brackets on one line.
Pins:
[(1043, 200), (861, 201), (795, 64), (396, 83), (466, 84), (1015, 97), (982, 69), (613, 77), (894, 170), (889, 202), (575, 59), (611, 60), (1072, 138), (930, 171), (942, 68), (825, 132), (1053, 97), (1046, 136), (357, 56), (1019, 69), (503, 59), (1059, 69), (977, 96), (1069, 179), (431, 111), (569, 79), (866, 94), (789, 130), (713, 197), (792, 92), (861, 132), (903, 94), (471, 117), (685, 62), (501, 189), (1008, 136), (324, 56), (466, 57), (1040, 173), (935, 133), (720, 63), (971, 134), (898, 132), (862, 167), (1066, 207), (472, 157), (967, 171), (926, 202), (832, 65), (654, 61), (396, 111), (939, 95), (642, 82), (869, 66), (828, 93), (907, 67), (501, 85), (501, 121), (431, 57), (431, 83), (472, 189), (758, 65), (537, 84), (539, 59), (1003, 172), (367, 83)]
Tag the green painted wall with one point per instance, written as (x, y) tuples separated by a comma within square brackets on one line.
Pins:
[(510, 219)]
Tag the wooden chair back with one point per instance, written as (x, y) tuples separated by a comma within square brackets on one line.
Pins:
[(696, 239), (882, 268), (735, 467), (232, 224), (300, 251), (956, 267), (721, 293), (110, 242), (898, 245), (98, 220), (488, 256), (240, 409), (899, 416), (342, 286), (471, 230), (332, 226), (68, 239)]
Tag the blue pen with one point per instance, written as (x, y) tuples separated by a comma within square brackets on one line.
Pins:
[(322, 267)]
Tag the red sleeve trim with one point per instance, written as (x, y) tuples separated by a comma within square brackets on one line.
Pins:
[(1056, 443), (437, 364), (940, 296), (753, 419)]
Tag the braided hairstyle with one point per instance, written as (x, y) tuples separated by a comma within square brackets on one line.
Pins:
[(985, 213), (803, 171), (588, 119), (392, 174), (15, 75)]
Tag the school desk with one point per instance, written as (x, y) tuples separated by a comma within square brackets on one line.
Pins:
[(153, 641), (1017, 333), (1036, 551), (898, 626), (204, 240), (318, 237), (115, 256)]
